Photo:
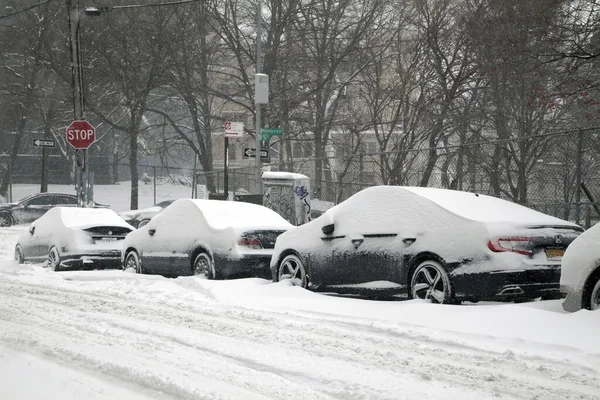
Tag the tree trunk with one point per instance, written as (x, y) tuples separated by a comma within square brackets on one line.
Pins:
[(133, 167)]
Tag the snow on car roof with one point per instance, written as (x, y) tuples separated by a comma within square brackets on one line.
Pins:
[(76, 217), (480, 207), (221, 214), (282, 175)]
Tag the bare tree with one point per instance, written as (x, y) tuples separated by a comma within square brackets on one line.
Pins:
[(128, 64)]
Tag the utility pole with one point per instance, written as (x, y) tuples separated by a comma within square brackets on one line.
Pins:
[(81, 156), (578, 165), (256, 103)]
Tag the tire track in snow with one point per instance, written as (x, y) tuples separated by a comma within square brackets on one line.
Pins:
[(307, 340)]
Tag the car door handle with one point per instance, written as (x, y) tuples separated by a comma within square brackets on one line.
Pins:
[(409, 241), (151, 232), (357, 242)]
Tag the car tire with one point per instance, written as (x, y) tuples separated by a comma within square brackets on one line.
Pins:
[(143, 222), (6, 219), (204, 266), (429, 281), (133, 263), (291, 267), (19, 257), (591, 300), (53, 259)]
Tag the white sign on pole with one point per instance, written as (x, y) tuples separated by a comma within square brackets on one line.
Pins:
[(201, 192), (234, 129)]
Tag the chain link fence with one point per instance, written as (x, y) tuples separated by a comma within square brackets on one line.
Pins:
[(542, 172)]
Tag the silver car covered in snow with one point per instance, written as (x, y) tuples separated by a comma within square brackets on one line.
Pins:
[(74, 238)]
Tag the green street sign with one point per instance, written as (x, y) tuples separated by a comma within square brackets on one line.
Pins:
[(266, 133), (271, 131)]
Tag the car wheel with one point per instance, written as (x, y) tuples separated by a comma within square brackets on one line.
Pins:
[(53, 259), (6, 219), (133, 263), (292, 268), (143, 223), (594, 300), (19, 257), (204, 267), (431, 282)]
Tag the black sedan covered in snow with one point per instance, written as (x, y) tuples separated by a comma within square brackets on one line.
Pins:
[(435, 244), (74, 238), (211, 238), (32, 207)]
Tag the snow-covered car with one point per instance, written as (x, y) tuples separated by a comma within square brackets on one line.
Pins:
[(580, 273), (213, 238), (74, 238), (435, 244), (139, 218), (32, 207)]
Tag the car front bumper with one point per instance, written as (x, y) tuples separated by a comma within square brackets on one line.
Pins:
[(505, 285)]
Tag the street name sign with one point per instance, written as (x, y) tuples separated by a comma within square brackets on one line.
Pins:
[(266, 133), (43, 142), (81, 134)]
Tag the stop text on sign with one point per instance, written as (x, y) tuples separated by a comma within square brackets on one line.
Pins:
[(76, 134), (81, 134)]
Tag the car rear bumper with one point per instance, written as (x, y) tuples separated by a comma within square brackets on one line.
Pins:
[(246, 265), (106, 260), (541, 281)]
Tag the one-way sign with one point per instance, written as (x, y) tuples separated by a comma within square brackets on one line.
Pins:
[(43, 142), (250, 152)]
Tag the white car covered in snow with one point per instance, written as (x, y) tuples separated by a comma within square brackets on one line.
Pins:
[(74, 238), (580, 275), (435, 244), (213, 238)]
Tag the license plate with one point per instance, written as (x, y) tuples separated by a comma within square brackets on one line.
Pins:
[(555, 254), (108, 239)]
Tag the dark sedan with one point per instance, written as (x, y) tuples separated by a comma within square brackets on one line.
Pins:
[(139, 218), (210, 238), (435, 244), (32, 207)]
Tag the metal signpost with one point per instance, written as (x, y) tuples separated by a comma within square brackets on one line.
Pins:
[(44, 143), (232, 130)]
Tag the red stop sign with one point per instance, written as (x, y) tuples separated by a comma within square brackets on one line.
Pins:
[(80, 134)]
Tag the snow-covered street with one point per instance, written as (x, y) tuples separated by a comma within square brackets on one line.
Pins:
[(111, 334)]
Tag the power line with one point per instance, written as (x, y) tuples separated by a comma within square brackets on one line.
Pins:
[(25, 9), (171, 3)]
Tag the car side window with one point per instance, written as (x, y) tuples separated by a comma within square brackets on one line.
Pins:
[(40, 201), (65, 201)]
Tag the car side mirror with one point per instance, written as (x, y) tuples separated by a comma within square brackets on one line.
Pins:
[(32, 228), (151, 232), (328, 229)]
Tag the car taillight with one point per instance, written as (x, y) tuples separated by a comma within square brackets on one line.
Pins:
[(515, 244), (250, 242)]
